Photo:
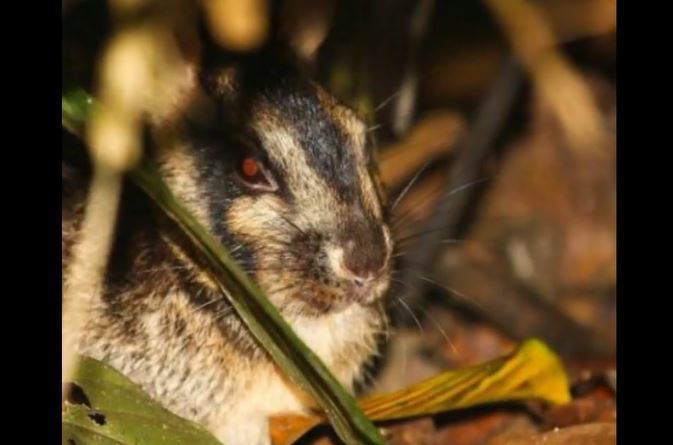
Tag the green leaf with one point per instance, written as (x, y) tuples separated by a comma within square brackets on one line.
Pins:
[(121, 413), (76, 106), (263, 320)]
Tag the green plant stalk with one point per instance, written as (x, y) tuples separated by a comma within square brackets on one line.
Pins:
[(286, 349)]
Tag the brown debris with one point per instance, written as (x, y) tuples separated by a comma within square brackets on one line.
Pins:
[(590, 434)]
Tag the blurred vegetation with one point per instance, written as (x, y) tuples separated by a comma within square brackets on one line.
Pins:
[(517, 235)]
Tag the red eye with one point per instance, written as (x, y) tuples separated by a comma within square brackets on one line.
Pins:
[(256, 176), (249, 168)]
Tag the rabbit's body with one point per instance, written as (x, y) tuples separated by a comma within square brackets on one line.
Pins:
[(279, 172)]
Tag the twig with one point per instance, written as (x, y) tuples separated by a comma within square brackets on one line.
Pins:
[(451, 208), (557, 82), (521, 314), (432, 136), (84, 275), (136, 52)]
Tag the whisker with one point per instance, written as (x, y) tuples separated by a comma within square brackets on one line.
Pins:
[(162, 269), (419, 234), (441, 330), (387, 100), (428, 196), (292, 224), (409, 185), (394, 280), (223, 313), (397, 219), (466, 186), (209, 302), (443, 241), (453, 291), (282, 289), (253, 270), (413, 316), (454, 241)]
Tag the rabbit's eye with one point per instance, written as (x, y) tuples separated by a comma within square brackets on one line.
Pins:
[(255, 175)]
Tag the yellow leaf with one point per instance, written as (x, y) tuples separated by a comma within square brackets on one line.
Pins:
[(532, 371)]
